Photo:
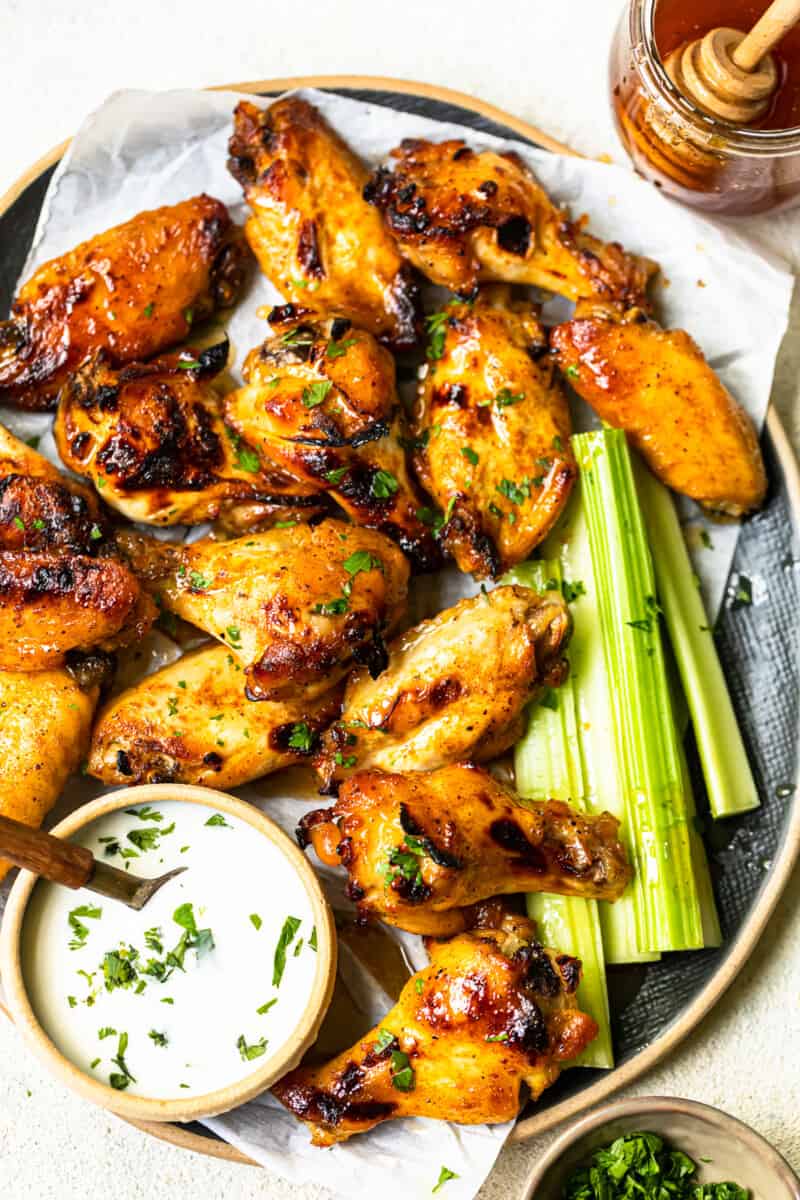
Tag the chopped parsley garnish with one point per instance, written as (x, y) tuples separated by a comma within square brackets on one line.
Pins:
[(744, 591), (218, 819), (332, 608), (198, 581), (444, 1175), (95, 533), (287, 524), (188, 364), (266, 1007), (120, 1080), (312, 941), (234, 637), (436, 325), (337, 349), (145, 813), (119, 970), (94, 1063), (337, 475), (20, 524), (496, 1037), (160, 1039), (106, 1031), (255, 920), (152, 939), (301, 737), (572, 590), (402, 1072), (517, 493), (641, 1166), (71, 1001), (403, 862), (344, 760), (298, 337), (384, 1040), (148, 310), (287, 936), (550, 700), (470, 455), (172, 706), (557, 443), (315, 393), (705, 538), (383, 485), (505, 397), (248, 1053), (419, 985), (80, 931), (572, 371), (649, 622), (33, 441), (247, 459)]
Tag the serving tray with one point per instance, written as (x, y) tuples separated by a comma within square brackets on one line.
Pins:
[(654, 1006)]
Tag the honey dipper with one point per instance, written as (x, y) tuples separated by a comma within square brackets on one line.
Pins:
[(731, 75)]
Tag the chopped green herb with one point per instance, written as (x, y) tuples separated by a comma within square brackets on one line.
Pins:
[(572, 371), (402, 1072), (301, 737), (362, 560), (152, 939), (248, 1053), (705, 538), (337, 475), (550, 700), (172, 706), (160, 1039), (384, 1040), (106, 1031), (383, 485), (312, 941), (744, 591), (298, 947), (33, 441), (266, 1007), (198, 581), (38, 523), (119, 970), (79, 930), (496, 1037), (148, 310), (444, 1175), (247, 459), (557, 443), (18, 521), (572, 590), (419, 985), (315, 393), (436, 323), (255, 920), (287, 936), (470, 455), (145, 813), (188, 315), (298, 337), (287, 524), (337, 349), (94, 1063), (218, 819), (234, 636), (517, 493), (332, 608), (344, 760), (188, 364), (506, 397), (119, 1060), (71, 1001), (640, 1166)]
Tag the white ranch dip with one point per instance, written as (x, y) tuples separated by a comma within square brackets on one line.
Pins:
[(92, 965)]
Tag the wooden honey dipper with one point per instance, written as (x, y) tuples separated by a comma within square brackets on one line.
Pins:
[(731, 75)]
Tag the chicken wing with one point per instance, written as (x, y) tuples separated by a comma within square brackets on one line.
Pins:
[(296, 606), (461, 217), (420, 848), (454, 687), (310, 229), (45, 720), (151, 436), (494, 1010), (59, 588), (492, 430), (320, 402), (132, 291), (657, 386), (191, 722)]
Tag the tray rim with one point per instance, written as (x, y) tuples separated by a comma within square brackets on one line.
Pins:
[(789, 851)]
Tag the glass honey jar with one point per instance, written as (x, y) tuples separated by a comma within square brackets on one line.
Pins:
[(698, 159)]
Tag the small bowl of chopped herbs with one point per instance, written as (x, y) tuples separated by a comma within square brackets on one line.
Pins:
[(660, 1148)]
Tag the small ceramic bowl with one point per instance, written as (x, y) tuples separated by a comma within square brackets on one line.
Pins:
[(269, 1069), (725, 1149)]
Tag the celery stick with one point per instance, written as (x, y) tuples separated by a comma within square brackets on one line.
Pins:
[(646, 741), (547, 764), (589, 682), (729, 780)]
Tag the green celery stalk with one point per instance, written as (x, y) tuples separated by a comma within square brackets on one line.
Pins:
[(548, 765), (648, 751), (729, 780), (602, 790)]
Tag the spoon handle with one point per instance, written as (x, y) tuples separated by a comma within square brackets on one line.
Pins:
[(57, 860)]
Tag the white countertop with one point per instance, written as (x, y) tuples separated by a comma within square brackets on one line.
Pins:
[(548, 65)]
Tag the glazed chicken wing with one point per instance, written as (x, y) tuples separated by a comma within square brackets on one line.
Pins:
[(315, 237), (420, 848), (45, 719), (151, 435), (493, 1011), (463, 217), (320, 402), (657, 386), (131, 291), (59, 588), (191, 722), (296, 606), (492, 429), (454, 687)]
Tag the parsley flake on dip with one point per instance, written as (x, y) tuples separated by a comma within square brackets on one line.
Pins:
[(206, 996)]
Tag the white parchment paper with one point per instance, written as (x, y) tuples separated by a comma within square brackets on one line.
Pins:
[(145, 149)]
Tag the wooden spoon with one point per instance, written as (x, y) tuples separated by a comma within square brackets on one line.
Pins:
[(74, 866), (731, 75)]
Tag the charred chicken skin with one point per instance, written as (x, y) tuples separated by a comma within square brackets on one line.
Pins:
[(60, 589), (454, 687), (313, 234), (656, 385), (492, 429), (420, 848), (295, 606), (191, 722), (131, 291), (463, 217), (494, 1010), (151, 435), (320, 402)]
